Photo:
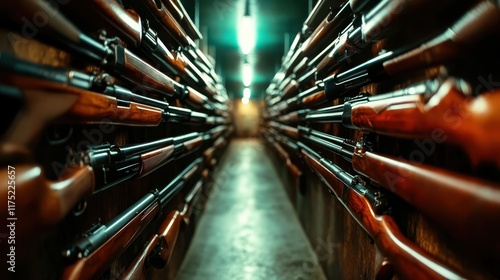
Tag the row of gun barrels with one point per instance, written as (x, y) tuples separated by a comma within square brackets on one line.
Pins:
[(361, 79), (116, 136)]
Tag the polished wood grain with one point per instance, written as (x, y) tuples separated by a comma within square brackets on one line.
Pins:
[(47, 101), (167, 20), (408, 260), (458, 203), (334, 185), (290, 90), (478, 24), (448, 116), (128, 22), (95, 264), (313, 100), (41, 203), (142, 74), (196, 97), (159, 247), (153, 160), (172, 7), (328, 28)]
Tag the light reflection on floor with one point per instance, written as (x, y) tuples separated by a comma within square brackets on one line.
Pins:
[(249, 230)]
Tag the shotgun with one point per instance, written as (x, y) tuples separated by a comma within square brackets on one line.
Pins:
[(100, 245), (136, 32), (304, 99), (386, 18), (368, 207), (42, 105), (105, 52), (334, 113), (334, 22), (115, 164), (55, 79), (433, 191), (42, 203), (319, 11), (479, 23), (159, 248), (448, 110)]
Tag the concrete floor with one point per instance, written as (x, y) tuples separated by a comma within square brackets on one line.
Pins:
[(249, 229)]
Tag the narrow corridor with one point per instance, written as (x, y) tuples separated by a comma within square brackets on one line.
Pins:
[(249, 229)]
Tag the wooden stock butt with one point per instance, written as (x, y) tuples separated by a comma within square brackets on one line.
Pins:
[(437, 193), (408, 260), (168, 233), (448, 116), (40, 203)]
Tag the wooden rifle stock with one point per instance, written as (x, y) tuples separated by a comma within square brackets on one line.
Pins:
[(153, 160), (408, 260), (164, 239), (448, 115), (41, 203), (130, 27), (165, 18), (437, 193), (434, 192), (45, 101), (480, 22), (160, 246), (330, 26), (175, 10), (110, 55), (100, 246), (94, 264)]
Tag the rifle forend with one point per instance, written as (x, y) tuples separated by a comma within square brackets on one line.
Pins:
[(367, 206)]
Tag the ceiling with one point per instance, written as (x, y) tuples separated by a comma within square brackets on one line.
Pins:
[(278, 21)]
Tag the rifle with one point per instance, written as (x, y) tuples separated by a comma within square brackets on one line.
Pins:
[(159, 248), (303, 99), (73, 106), (158, 11), (187, 23), (368, 206), (65, 80), (444, 113), (137, 32), (382, 20), (41, 203), (107, 52), (334, 113), (332, 24), (113, 164), (478, 23), (174, 10), (100, 245), (319, 11), (433, 191)]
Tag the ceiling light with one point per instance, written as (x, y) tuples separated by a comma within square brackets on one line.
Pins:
[(246, 93), (247, 74)]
